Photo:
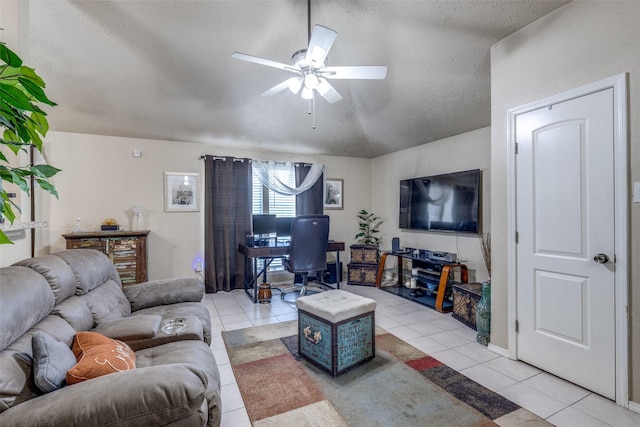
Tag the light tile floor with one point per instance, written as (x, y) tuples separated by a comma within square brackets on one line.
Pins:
[(439, 335)]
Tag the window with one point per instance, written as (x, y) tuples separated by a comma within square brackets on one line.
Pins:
[(266, 201)]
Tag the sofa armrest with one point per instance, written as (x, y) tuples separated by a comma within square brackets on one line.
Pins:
[(128, 328), (156, 395), (163, 292)]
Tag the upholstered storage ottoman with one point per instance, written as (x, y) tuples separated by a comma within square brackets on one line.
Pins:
[(336, 330), (465, 300)]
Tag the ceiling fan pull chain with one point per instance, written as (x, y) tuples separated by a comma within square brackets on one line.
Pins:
[(313, 99)]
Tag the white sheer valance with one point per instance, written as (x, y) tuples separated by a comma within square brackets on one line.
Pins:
[(267, 172)]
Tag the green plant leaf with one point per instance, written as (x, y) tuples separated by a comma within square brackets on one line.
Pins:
[(35, 90), (15, 97), (23, 133), (31, 74), (18, 180), (4, 240), (8, 57), (7, 211), (44, 171), (40, 123), (12, 141), (46, 185), (34, 137), (9, 75)]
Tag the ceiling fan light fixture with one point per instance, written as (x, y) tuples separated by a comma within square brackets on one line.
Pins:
[(307, 93), (311, 81), (294, 84)]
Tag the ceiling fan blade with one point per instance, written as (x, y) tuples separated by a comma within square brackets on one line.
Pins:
[(322, 39), (263, 61), (373, 72), (328, 92), (291, 83)]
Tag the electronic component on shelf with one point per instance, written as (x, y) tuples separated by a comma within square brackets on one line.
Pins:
[(443, 256)]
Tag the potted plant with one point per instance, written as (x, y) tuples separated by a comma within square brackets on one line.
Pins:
[(365, 255), (24, 124), (368, 228)]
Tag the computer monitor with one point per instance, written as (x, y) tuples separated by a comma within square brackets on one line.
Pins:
[(264, 224), (283, 226)]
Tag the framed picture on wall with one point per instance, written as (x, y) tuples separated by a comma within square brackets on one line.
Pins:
[(334, 193), (181, 192)]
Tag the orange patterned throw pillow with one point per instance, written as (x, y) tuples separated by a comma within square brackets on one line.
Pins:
[(98, 355)]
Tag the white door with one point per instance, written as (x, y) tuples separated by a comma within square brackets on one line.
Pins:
[(565, 249)]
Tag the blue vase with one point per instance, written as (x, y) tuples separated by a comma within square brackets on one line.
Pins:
[(483, 315)]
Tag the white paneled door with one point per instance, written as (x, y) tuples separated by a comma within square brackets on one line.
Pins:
[(565, 249)]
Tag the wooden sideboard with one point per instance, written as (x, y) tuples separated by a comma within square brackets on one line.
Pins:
[(126, 249)]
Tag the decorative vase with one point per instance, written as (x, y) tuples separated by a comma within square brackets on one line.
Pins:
[(483, 315)]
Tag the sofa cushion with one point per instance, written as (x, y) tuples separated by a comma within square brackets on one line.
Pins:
[(107, 303), (195, 354), (51, 361), (26, 299), (90, 267), (98, 355), (76, 312), (56, 272)]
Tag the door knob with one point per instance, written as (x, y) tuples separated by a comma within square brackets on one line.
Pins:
[(601, 258)]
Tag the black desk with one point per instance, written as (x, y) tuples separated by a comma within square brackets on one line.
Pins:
[(253, 253)]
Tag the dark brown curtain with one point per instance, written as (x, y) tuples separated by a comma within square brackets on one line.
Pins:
[(312, 200), (227, 221)]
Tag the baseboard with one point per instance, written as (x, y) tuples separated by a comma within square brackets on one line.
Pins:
[(634, 407), (498, 350)]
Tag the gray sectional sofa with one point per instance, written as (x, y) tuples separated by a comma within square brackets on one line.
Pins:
[(175, 380)]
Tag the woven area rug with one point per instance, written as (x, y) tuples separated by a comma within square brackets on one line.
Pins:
[(401, 386)]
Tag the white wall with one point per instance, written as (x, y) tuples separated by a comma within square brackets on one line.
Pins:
[(580, 43), (470, 150), (100, 178)]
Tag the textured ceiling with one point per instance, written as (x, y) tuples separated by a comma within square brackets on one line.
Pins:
[(163, 69)]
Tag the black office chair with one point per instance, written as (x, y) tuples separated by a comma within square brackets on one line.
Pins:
[(307, 249)]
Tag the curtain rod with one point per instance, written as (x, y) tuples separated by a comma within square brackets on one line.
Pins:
[(297, 164), (204, 156)]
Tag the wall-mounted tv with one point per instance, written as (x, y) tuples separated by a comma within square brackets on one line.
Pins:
[(449, 202)]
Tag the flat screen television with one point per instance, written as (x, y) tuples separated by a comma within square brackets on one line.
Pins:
[(448, 203)]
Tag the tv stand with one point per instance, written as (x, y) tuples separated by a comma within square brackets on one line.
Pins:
[(430, 286)]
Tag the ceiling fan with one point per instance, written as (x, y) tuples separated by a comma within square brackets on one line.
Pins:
[(310, 67)]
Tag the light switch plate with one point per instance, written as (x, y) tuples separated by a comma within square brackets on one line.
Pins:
[(636, 192)]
